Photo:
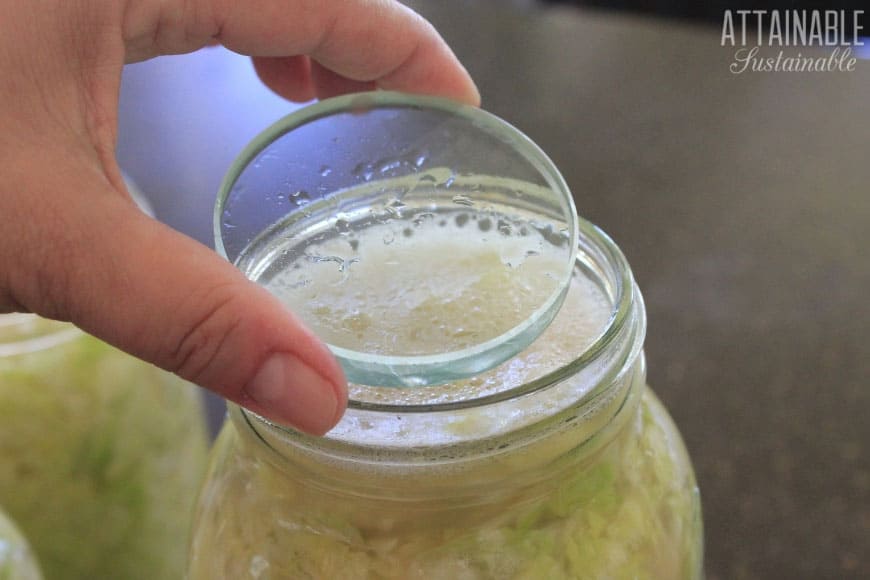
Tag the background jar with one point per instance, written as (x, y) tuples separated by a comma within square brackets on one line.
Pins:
[(576, 472), (102, 453), (17, 561)]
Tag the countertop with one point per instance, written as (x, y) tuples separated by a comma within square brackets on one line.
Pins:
[(742, 202)]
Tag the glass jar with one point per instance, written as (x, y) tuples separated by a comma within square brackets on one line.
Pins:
[(560, 463), (17, 562), (102, 453)]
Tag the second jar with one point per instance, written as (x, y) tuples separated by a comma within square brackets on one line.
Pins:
[(101, 454)]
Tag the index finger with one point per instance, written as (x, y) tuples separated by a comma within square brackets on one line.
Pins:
[(368, 41)]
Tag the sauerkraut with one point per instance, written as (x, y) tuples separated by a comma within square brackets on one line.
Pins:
[(633, 512), (101, 454)]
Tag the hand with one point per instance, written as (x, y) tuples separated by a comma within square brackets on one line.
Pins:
[(74, 247)]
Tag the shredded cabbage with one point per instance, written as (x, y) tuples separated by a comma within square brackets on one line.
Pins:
[(102, 454), (632, 513)]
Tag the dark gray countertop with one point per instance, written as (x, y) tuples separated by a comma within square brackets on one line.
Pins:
[(741, 201)]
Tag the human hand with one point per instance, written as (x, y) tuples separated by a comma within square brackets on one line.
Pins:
[(74, 247)]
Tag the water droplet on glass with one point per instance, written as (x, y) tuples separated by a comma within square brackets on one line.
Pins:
[(301, 197), (389, 238), (394, 208), (428, 178), (388, 166), (382, 217), (549, 233), (342, 226), (462, 199), (505, 228), (422, 217), (346, 264), (365, 170), (342, 266), (325, 170)]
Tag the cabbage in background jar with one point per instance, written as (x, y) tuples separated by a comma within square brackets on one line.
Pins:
[(101, 453), (17, 561), (558, 464)]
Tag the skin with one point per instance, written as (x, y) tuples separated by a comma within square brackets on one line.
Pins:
[(74, 247)]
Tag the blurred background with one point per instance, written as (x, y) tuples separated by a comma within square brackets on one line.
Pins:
[(741, 200)]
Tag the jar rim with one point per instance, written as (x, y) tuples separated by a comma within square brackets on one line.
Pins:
[(51, 334), (626, 300)]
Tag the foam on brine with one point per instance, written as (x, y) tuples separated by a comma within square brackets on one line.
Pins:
[(433, 288), (580, 322)]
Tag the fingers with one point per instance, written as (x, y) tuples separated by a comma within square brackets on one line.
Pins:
[(96, 260), (369, 41), (298, 79), (330, 84), (290, 76), (354, 44)]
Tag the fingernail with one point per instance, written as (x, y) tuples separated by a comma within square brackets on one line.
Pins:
[(290, 392), (475, 95)]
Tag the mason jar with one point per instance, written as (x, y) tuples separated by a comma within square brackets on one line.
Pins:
[(560, 463), (102, 453), (17, 561)]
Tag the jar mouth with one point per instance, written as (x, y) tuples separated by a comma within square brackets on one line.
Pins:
[(22, 333), (602, 259)]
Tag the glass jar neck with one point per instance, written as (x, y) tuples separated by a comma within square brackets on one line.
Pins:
[(523, 431), (23, 333)]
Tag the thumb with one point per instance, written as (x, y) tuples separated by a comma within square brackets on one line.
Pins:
[(165, 298)]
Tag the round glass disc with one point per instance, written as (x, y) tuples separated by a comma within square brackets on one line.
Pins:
[(386, 220)]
